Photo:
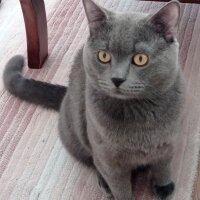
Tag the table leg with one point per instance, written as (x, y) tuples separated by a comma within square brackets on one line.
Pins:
[(36, 31)]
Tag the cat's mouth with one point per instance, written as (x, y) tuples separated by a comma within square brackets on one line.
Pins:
[(133, 91), (122, 93), (129, 92)]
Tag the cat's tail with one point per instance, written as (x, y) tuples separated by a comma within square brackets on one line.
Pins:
[(37, 92)]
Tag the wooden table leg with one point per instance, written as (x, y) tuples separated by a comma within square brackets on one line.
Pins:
[(36, 31)]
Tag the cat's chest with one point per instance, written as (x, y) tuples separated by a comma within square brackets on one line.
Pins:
[(129, 135), (124, 148), (133, 125), (144, 133)]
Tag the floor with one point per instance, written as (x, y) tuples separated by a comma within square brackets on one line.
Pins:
[(194, 19), (196, 192)]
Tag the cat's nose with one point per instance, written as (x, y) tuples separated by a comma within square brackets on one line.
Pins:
[(117, 81)]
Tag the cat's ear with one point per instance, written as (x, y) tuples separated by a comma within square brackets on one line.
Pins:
[(95, 14), (166, 20)]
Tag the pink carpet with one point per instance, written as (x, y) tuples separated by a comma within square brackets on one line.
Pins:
[(33, 163)]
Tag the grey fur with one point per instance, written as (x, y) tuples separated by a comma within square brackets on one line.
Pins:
[(37, 92), (118, 130)]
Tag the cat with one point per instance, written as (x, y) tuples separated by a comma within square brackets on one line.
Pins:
[(122, 108)]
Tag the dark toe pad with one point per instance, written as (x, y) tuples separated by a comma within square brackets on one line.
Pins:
[(164, 191), (104, 186)]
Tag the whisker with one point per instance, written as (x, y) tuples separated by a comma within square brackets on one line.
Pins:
[(105, 86), (102, 82), (137, 87)]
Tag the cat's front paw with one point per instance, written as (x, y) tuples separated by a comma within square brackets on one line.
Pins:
[(164, 191)]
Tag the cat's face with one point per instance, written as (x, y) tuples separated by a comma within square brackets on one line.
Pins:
[(131, 55)]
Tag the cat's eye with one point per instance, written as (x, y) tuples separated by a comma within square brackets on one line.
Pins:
[(104, 56), (140, 59)]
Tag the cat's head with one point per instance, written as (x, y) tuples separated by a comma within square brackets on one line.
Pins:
[(131, 55)]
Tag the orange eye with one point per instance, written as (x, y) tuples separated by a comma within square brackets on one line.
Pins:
[(140, 59), (104, 56)]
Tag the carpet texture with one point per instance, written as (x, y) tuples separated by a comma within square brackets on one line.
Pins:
[(33, 163)]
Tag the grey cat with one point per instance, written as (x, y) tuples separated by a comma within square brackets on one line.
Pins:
[(123, 104)]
